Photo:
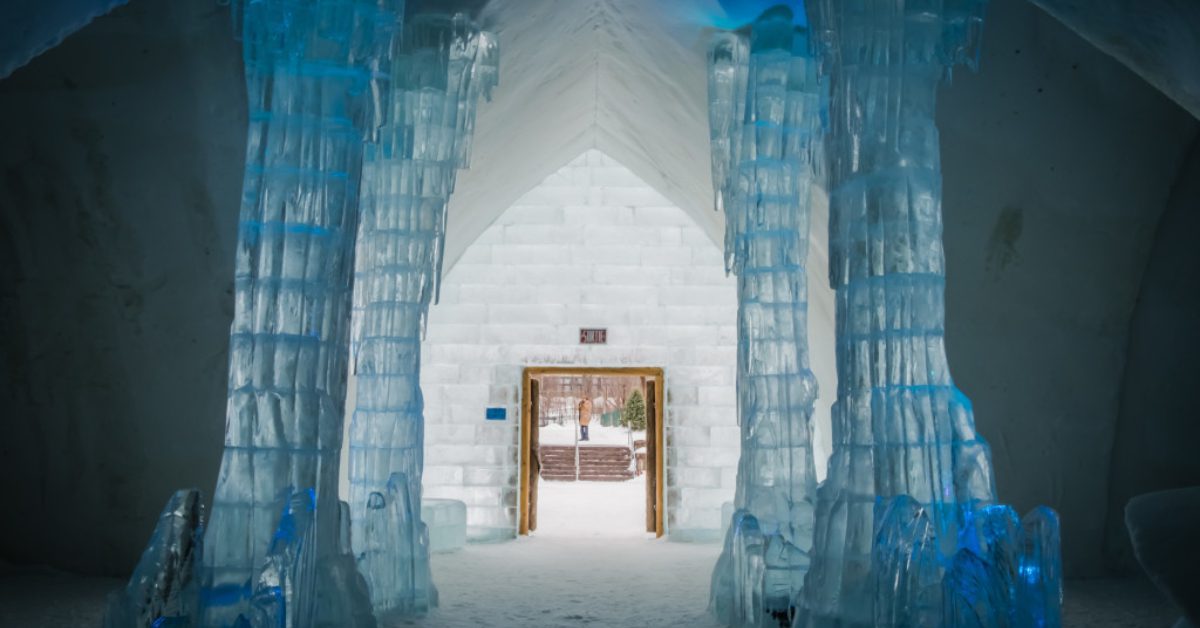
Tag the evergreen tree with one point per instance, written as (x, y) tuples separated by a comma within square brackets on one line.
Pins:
[(634, 414)]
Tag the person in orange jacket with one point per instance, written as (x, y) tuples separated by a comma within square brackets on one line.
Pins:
[(585, 417)]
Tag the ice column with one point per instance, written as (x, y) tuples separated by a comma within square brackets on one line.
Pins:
[(444, 64), (905, 531), (308, 67), (765, 122)]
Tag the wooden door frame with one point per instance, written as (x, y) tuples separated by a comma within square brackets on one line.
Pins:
[(660, 449)]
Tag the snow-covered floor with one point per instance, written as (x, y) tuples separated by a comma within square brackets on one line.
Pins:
[(588, 564), (619, 583), (592, 510), (549, 580)]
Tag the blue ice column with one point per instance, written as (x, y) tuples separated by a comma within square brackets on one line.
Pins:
[(765, 120), (906, 530), (445, 64), (308, 67)]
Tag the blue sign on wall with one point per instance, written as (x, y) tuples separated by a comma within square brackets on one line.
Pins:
[(497, 414)]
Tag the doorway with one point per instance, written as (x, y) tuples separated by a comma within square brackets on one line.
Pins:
[(563, 456)]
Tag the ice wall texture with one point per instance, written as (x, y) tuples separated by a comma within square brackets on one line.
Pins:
[(906, 530), (442, 67), (27, 29), (765, 118), (309, 68)]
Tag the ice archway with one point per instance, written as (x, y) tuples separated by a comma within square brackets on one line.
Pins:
[(627, 78), (591, 245)]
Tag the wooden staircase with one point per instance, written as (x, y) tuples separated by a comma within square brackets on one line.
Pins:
[(596, 463)]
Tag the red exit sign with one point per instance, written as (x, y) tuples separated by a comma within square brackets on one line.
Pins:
[(593, 336)]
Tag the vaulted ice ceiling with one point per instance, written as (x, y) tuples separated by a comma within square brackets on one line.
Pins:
[(624, 76)]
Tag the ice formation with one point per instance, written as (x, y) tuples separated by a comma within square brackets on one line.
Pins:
[(907, 533), (284, 591), (309, 68), (765, 103), (163, 590), (331, 84), (443, 66)]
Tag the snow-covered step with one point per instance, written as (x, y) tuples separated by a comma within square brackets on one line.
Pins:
[(596, 463)]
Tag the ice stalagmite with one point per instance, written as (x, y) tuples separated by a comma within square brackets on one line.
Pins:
[(907, 533), (284, 592), (308, 66), (443, 65), (765, 122), (163, 590)]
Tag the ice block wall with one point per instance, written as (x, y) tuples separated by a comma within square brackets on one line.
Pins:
[(906, 533), (308, 72), (444, 64), (765, 106), (593, 245)]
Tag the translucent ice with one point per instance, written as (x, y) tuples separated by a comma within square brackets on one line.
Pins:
[(164, 585), (939, 553), (308, 71), (764, 115), (284, 594), (400, 583), (331, 83), (907, 567), (442, 66), (737, 581), (1039, 574), (342, 598)]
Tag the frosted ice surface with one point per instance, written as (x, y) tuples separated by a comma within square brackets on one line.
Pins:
[(447, 523), (1039, 578), (979, 583), (764, 110), (164, 586), (737, 582), (342, 599), (284, 592), (394, 555), (907, 567), (443, 65), (1006, 572)]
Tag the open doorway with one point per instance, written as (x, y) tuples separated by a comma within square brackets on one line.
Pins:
[(588, 457)]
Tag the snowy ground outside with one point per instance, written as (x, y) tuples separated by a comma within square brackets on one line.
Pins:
[(592, 510), (555, 434)]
